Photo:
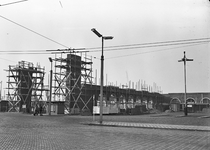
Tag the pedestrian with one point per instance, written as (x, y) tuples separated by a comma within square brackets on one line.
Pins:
[(36, 110), (40, 109)]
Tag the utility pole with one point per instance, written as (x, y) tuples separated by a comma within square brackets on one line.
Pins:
[(184, 59)]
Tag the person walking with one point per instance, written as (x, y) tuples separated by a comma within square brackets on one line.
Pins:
[(40, 109), (36, 110)]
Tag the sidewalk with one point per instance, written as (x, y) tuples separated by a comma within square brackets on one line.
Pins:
[(151, 126), (168, 121)]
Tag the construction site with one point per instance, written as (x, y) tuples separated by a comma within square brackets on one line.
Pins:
[(25, 86), (73, 90)]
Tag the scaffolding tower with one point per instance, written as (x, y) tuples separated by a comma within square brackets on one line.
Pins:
[(25, 86), (72, 77)]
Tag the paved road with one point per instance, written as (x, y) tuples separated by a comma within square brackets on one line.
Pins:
[(25, 132)]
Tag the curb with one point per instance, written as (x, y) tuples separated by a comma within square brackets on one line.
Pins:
[(150, 126)]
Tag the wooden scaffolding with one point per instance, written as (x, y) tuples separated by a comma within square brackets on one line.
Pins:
[(25, 86), (72, 74)]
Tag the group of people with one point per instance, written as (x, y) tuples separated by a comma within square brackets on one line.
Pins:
[(38, 110)]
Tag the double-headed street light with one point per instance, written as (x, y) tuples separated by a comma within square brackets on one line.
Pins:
[(1, 90), (184, 59), (102, 69), (50, 98)]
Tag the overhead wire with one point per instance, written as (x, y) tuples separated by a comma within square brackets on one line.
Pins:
[(108, 48), (120, 55), (151, 43), (13, 53), (157, 45), (124, 47), (54, 52), (7, 59), (25, 53), (148, 46), (166, 49), (13, 3), (34, 32)]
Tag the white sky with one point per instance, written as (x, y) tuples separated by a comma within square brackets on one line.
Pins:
[(130, 22)]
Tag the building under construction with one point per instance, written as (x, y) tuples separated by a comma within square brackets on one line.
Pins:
[(72, 74), (72, 84), (25, 86), (73, 89)]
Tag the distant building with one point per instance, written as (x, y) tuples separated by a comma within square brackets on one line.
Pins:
[(195, 101)]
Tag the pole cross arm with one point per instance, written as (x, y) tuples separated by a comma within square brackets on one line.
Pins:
[(185, 59), (181, 60), (189, 59)]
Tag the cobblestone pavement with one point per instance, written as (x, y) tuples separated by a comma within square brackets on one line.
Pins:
[(153, 126), (26, 132), (175, 118)]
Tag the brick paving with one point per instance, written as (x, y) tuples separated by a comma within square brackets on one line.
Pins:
[(26, 132), (193, 119), (153, 126), (173, 121)]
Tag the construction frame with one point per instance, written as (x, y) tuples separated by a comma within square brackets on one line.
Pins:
[(72, 76), (25, 86)]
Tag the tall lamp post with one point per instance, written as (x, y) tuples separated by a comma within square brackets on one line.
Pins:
[(102, 70), (1, 90), (50, 99), (184, 59)]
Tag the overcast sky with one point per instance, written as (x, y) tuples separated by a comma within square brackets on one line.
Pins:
[(69, 23)]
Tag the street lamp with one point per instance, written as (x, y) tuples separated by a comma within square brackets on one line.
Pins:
[(184, 59), (1, 90), (50, 99), (102, 69)]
